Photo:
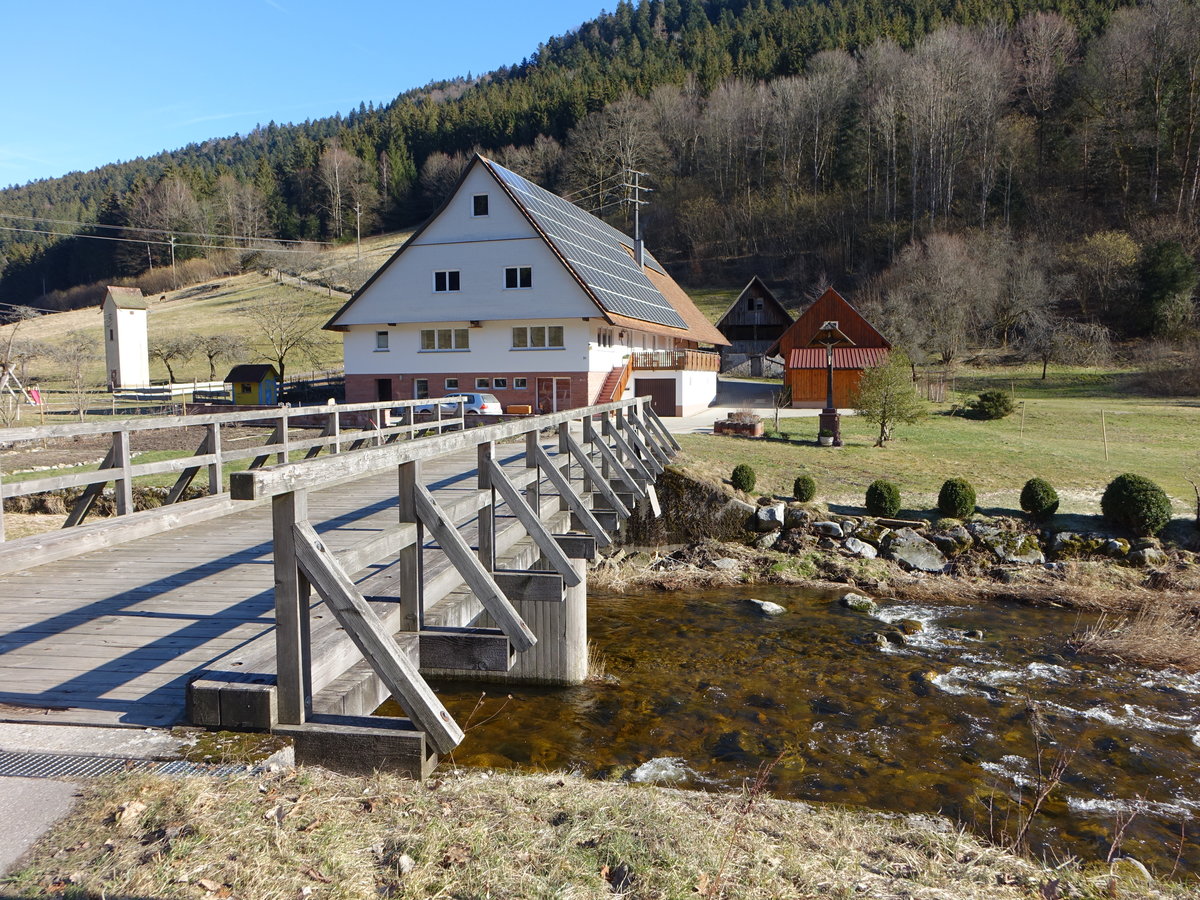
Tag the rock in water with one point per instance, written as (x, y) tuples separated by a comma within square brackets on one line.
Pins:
[(767, 608), (829, 529), (670, 769), (912, 551), (859, 603), (861, 549)]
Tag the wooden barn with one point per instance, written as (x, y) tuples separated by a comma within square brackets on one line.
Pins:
[(805, 366), (752, 324)]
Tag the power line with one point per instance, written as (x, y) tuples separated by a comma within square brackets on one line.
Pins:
[(234, 237), (590, 187), (142, 241)]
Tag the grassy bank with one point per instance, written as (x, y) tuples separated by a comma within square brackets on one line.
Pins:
[(1061, 436), (309, 833)]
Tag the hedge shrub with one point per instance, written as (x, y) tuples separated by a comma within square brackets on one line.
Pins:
[(1039, 499), (743, 478), (883, 498), (1136, 503), (992, 405), (956, 499), (804, 488)]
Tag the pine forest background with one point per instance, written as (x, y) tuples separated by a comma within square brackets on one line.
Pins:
[(971, 173)]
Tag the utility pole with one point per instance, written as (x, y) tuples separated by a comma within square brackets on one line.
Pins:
[(638, 203), (174, 279), (358, 228)]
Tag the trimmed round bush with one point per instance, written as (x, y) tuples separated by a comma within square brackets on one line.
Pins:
[(1136, 503), (743, 478), (804, 488), (956, 499), (992, 405), (1039, 499), (883, 498)]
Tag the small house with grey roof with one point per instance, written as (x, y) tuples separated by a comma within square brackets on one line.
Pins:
[(512, 290)]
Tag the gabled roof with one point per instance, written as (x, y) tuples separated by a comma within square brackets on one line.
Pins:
[(599, 258), (756, 287), (252, 372), (843, 357), (829, 306), (127, 297)]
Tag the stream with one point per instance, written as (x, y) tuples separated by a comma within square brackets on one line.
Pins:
[(704, 689)]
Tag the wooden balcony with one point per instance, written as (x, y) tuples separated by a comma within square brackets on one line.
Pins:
[(677, 360)]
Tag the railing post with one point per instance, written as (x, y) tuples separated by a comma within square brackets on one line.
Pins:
[(487, 515), (283, 437), (333, 428), (533, 493), (1, 509), (591, 437), (411, 581), (216, 476), (564, 453), (406, 419), (124, 484), (293, 682)]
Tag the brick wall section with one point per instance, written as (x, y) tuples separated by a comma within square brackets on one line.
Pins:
[(364, 389)]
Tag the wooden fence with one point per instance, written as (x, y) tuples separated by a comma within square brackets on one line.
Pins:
[(342, 427)]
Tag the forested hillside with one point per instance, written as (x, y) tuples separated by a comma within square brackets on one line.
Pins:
[(995, 167)]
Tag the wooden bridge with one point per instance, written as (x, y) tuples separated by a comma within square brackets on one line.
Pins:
[(315, 588)]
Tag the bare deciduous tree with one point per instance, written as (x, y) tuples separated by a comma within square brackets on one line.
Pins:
[(73, 355), (286, 322), (215, 347), (171, 350)]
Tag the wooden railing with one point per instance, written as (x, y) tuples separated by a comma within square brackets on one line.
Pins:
[(622, 447), (379, 423), (677, 360)]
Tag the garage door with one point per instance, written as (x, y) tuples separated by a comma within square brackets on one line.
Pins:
[(661, 392)]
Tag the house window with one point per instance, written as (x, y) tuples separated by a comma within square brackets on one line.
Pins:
[(420, 388), (483, 384), (446, 281), (520, 384), (604, 337), (499, 384), (754, 303), (381, 340), (244, 388), (518, 277), (537, 337), (452, 384), (445, 339), (479, 205)]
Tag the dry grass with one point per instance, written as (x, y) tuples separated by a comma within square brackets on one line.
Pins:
[(1161, 633), (19, 525), (309, 833)]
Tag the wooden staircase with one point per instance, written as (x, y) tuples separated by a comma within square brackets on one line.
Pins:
[(615, 382)]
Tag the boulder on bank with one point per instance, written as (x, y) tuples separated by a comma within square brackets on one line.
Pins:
[(1010, 546), (912, 551), (769, 516), (953, 541), (872, 532), (828, 529), (861, 549)]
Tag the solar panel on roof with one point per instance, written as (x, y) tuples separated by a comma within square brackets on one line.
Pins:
[(596, 251)]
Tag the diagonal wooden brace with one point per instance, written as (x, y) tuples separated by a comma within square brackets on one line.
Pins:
[(184, 481), (606, 452), (574, 501), (611, 432), (649, 440), (635, 440), (90, 495), (533, 524), (478, 579), (598, 481), (661, 427), (372, 639)]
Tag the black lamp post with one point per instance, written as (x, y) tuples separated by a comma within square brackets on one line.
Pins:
[(830, 336)]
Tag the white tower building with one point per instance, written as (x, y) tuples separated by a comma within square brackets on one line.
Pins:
[(125, 338)]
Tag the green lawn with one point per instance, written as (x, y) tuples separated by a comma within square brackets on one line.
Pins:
[(1061, 439), (713, 301)]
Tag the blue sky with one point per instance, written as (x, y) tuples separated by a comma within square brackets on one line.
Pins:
[(88, 83)]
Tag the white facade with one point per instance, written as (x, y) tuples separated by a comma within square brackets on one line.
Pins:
[(126, 345), (480, 299)]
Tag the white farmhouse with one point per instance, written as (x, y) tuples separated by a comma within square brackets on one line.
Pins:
[(512, 290), (126, 348)]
